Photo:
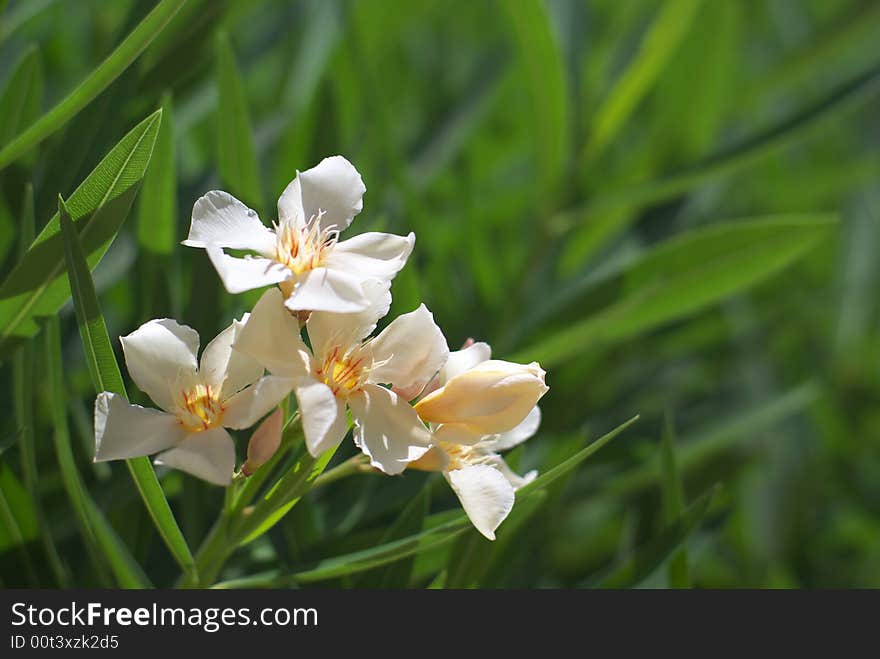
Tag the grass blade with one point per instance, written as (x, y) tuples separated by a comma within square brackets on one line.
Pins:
[(684, 276), (106, 375), (741, 156), (644, 560), (237, 159), (544, 72), (20, 103), (36, 286), (110, 69), (673, 505), (157, 203), (669, 27)]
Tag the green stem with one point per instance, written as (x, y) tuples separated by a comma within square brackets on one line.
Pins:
[(358, 464)]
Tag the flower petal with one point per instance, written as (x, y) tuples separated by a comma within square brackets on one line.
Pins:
[(123, 430), (372, 254), (387, 429), (323, 415), (220, 219), (324, 289), (525, 430), (464, 360), (434, 460), (409, 352), (327, 329), (333, 187), (271, 337), (210, 455), (485, 494), (239, 275), (493, 397), (221, 366), (252, 403), (161, 356)]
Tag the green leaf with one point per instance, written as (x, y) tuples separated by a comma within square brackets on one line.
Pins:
[(237, 159), (110, 69), (410, 522), (36, 287), (106, 376), (560, 470), (659, 43), (106, 548), (157, 203), (645, 559), (20, 102), (743, 155), (359, 561), (742, 427), (673, 504), (544, 73), (686, 275)]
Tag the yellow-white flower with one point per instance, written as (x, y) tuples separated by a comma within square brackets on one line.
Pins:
[(482, 407), (301, 253), (197, 400), (343, 371)]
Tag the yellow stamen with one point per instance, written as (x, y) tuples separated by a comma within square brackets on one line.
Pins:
[(200, 408)]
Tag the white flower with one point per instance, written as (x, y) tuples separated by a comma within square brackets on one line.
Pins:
[(302, 254), (344, 371), (481, 479), (225, 390)]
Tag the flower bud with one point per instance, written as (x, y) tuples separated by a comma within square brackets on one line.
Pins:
[(264, 442), (493, 397)]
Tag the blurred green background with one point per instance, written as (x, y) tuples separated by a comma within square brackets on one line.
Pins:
[(673, 205)]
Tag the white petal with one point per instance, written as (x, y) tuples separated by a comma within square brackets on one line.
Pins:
[(239, 275), (333, 186), (271, 337), (221, 366), (161, 355), (409, 352), (323, 415), (210, 455), (123, 430), (324, 289), (373, 254), (252, 403), (457, 433), (387, 429), (518, 435), (220, 219), (327, 329), (464, 360), (513, 478), (434, 460), (485, 494)]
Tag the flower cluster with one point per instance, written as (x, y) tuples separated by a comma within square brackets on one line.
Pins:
[(413, 403)]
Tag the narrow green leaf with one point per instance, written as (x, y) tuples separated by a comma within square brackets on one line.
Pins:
[(686, 275), (157, 202), (97, 81), (410, 522), (37, 287), (659, 43), (236, 157), (727, 435), (560, 470), (73, 485), (544, 74), (766, 143), (106, 376), (23, 396), (673, 505), (359, 561), (18, 519), (20, 102), (644, 560)]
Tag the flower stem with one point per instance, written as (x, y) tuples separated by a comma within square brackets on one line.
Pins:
[(358, 464)]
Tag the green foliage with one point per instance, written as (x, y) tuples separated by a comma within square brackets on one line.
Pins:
[(671, 206)]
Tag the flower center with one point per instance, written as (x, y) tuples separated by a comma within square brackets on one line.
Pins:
[(344, 373), (200, 408), (303, 247)]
